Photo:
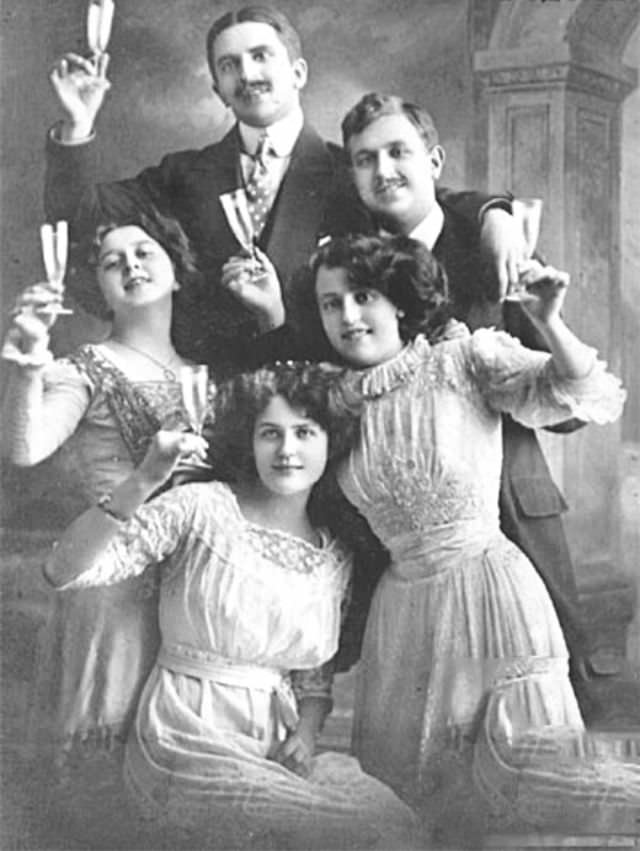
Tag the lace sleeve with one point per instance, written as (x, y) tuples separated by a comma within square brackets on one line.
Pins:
[(154, 533), (314, 682), (42, 409), (524, 383)]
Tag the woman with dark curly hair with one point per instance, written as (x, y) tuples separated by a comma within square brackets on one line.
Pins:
[(250, 606), (464, 704), (93, 413)]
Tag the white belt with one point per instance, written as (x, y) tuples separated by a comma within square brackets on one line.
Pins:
[(231, 672)]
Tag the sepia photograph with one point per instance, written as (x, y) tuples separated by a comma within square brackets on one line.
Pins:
[(319, 425)]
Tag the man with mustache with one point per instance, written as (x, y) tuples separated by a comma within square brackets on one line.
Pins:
[(258, 71)]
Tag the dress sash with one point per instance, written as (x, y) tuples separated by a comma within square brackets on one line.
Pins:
[(230, 672)]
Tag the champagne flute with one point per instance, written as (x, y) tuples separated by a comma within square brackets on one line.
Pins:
[(527, 213), (236, 210), (194, 384), (54, 240), (99, 20)]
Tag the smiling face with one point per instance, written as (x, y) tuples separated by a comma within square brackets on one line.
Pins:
[(134, 270), (254, 74), (361, 323), (289, 448), (394, 172)]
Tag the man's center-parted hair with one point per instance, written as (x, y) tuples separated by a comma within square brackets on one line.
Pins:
[(261, 14), (374, 105), (312, 388)]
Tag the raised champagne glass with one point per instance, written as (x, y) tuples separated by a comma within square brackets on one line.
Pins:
[(54, 239), (527, 213), (236, 210), (99, 21), (194, 384)]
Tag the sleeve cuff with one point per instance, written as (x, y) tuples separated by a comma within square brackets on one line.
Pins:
[(501, 202), (54, 136)]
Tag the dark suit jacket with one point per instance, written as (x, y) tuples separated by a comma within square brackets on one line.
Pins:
[(187, 186), (315, 196)]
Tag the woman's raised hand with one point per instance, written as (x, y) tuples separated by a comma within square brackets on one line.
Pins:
[(80, 85), (542, 291), (28, 337), (165, 451)]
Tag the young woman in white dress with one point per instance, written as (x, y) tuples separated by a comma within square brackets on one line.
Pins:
[(222, 749), (464, 705), (86, 419)]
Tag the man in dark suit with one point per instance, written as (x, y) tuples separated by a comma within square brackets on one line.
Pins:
[(259, 72), (395, 160)]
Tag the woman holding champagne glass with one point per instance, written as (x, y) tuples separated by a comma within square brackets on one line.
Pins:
[(464, 704), (93, 413)]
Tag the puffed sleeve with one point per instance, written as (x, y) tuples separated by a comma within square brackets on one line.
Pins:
[(158, 529), (525, 384), (41, 412)]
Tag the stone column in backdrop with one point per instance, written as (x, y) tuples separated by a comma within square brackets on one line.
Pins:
[(552, 86)]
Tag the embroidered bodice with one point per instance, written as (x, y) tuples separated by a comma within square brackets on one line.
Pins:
[(426, 471), (229, 586), (102, 424)]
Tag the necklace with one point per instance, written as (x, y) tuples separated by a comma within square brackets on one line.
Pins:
[(168, 373)]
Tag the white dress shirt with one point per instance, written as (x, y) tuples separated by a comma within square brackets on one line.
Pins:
[(282, 136), (430, 228)]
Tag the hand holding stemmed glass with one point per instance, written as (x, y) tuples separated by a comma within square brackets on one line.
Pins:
[(38, 306), (251, 276), (80, 82), (196, 393), (527, 213), (541, 289)]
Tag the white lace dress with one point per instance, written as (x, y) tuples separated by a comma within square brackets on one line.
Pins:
[(464, 661), (241, 607)]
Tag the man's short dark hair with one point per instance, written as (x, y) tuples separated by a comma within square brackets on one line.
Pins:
[(261, 14), (372, 106)]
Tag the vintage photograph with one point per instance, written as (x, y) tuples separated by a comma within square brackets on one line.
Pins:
[(320, 425)]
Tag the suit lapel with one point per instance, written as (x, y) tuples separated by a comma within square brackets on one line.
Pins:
[(216, 172), (295, 218)]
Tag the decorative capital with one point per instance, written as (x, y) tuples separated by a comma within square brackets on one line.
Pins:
[(558, 74)]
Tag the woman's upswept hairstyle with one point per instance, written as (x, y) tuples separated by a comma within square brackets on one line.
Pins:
[(309, 387), (82, 282), (257, 13), (400, 268)]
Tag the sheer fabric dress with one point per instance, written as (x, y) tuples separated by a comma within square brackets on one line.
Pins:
[(248, 616), (99, 644), (464, 705)]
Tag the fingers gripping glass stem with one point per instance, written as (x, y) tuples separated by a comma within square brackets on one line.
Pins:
[(527, 213)]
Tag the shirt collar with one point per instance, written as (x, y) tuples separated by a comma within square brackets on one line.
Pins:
[(283, 134), (430, 228)]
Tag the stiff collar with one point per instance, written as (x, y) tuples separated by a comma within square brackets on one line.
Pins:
[(430, 228), (283, 134)]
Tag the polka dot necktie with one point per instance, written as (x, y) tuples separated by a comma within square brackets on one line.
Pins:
[(260, 187)]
